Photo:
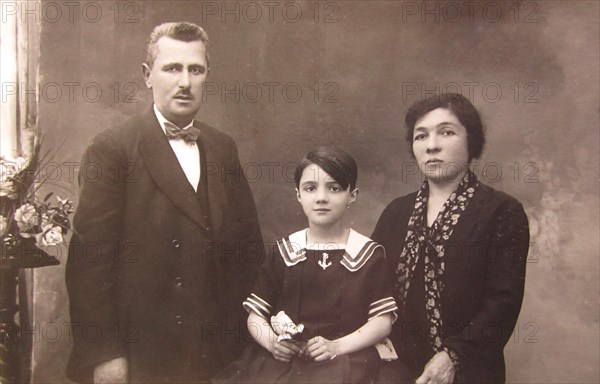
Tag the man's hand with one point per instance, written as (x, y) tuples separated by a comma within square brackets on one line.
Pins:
[(439, 370), (114, 371)]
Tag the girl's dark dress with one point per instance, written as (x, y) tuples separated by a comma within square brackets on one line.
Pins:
[(333, 293)]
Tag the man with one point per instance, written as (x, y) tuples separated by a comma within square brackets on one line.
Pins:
[(166, 237)]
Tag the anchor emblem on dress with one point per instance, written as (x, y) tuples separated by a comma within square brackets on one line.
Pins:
[(323, 262)]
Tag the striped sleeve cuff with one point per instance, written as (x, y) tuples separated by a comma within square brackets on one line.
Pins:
[(383, 306), (258, 305)]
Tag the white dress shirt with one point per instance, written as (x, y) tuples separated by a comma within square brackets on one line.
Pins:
[(188, 154)]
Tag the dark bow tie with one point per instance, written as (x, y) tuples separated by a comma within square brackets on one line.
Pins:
[(173, 132)]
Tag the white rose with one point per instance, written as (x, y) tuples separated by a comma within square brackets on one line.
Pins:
[(8, 189), (26, 217), (50, 235), (9, 168)]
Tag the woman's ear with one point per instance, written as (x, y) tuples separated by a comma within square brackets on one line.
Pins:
[(353, 196), (298, 195)]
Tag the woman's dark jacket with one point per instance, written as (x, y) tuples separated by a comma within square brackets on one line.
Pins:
[(484, 278)]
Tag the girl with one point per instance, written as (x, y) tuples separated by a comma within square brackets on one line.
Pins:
[(330, 279)]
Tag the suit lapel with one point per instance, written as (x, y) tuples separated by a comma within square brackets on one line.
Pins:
[(213, 174), (163, 166)]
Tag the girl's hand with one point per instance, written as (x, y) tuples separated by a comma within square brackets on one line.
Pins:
[(320, 349), (284, 350)]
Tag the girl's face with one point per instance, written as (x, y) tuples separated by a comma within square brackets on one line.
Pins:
[(322, 198), (440, 146)]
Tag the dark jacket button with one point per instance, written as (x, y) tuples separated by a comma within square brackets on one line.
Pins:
[(179, 319), (176, 243), (179, 281)]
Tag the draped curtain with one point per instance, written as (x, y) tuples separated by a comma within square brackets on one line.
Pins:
[(19, 38), (19, 72)]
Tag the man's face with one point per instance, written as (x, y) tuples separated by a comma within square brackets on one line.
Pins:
[(176, 78)]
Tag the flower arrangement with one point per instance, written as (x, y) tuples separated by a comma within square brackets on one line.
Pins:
[(28, 225)]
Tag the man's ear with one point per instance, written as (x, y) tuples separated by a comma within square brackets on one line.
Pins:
[(298, 195), (146, 71), (353, 196)]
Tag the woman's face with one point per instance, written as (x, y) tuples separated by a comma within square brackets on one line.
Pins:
[(322, 198), (440, 146)]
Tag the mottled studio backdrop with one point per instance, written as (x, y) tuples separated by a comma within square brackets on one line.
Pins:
[(288, 76)]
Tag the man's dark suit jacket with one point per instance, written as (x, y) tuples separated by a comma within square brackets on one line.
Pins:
[(156, 271), (484, 279)]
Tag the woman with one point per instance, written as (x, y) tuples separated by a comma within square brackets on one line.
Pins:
[(457, 250)]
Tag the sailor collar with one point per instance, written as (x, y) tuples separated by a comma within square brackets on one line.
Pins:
[(359, 249)]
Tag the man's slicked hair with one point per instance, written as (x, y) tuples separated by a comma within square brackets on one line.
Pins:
[(182, 31)]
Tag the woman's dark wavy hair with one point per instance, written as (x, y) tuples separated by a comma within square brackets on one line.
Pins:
[(464, 111), (336, 162)]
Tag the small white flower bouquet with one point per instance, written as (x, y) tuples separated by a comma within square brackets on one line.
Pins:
[(27, 223), (284, 327)]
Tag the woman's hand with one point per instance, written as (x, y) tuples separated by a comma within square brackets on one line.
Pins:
[(438, 370), (114, 371), (284, 350), (320, 349)]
